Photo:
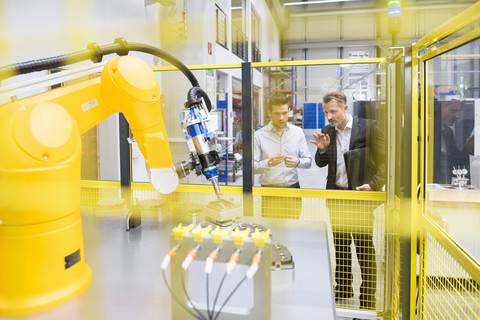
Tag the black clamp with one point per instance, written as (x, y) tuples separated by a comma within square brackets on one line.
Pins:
[(123, 46), (190, 103), (97, 52)]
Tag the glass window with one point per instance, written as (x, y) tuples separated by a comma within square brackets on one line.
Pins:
[(455, 103), (256, 24), (304, 89), (452, 145), (221, 27), (239, 38)]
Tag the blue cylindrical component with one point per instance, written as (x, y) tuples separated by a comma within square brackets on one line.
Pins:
[(211, 173), (195, 129)]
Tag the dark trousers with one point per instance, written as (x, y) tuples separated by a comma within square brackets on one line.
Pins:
[(281, 207), (353, 220)]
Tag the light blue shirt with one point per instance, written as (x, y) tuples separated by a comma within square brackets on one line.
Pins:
[(268, 143)]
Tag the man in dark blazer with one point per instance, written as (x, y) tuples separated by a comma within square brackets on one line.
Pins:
[(354, 150), (452, 141)]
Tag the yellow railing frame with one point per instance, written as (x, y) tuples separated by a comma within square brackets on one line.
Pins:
[(190, 188), (460, 21), (474, 34), (417, 205), (234, 190), (320, 194), (297, 63)]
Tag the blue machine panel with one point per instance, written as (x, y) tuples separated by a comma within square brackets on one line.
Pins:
[(309, 115), (320, 116)]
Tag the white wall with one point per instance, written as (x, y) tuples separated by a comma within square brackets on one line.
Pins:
[(270, 38), (192, 49), (40, 29)]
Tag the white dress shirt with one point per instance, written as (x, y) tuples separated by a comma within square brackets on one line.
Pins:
[(343, 145), (268, 143)]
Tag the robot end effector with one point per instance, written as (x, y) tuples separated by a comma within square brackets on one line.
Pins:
[(203, 157)]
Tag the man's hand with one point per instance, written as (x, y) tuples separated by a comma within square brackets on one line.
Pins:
[(322, 141), (273, 161), (291, 162), (469, 143), (364, 187)]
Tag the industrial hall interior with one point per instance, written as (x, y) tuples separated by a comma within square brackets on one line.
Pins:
[(239, 159)]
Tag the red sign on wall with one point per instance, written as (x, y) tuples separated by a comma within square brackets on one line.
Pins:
[(210, 48)]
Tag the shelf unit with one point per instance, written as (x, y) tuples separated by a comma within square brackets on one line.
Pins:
[(284, 79)]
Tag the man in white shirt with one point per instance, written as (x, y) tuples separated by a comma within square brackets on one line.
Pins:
[(353, 149), (279, 150)]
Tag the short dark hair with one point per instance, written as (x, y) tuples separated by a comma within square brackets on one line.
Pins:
[(335, 95), (277, 99)]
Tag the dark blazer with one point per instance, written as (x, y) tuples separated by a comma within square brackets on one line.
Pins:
[(365, 134), (455, 155)]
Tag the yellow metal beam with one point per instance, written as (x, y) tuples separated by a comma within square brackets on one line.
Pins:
[(201, 67), (288, 193), (322, 194), (465, 18), (415, 209), (472, 35), (461, 57), (190, 188), (317, 62), (428, 114), (421, 179), (146, 186), (97, 184), (277, 64)]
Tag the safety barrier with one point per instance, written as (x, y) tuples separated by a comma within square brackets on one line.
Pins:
[(451, 278), (367, 208), (448, 277)]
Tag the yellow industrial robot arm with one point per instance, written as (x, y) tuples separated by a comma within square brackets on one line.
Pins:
[(41, 246), (126, 85)]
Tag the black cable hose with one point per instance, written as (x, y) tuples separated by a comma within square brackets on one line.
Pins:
[(192, 97), (229, 296), (165, 56), (43, 64), (218, 292), (95, 53), (177, 299), (208, 300), (188, 297)]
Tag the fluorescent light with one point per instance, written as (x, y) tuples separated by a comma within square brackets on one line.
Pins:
[(314, 2), (235, 8)]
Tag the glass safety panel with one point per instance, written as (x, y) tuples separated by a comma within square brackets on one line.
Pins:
[(452, 151), (303, 89), (290, 176)]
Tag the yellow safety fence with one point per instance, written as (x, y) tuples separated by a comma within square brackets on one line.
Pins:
[(360, 213), (451, 287), (448, 277)]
